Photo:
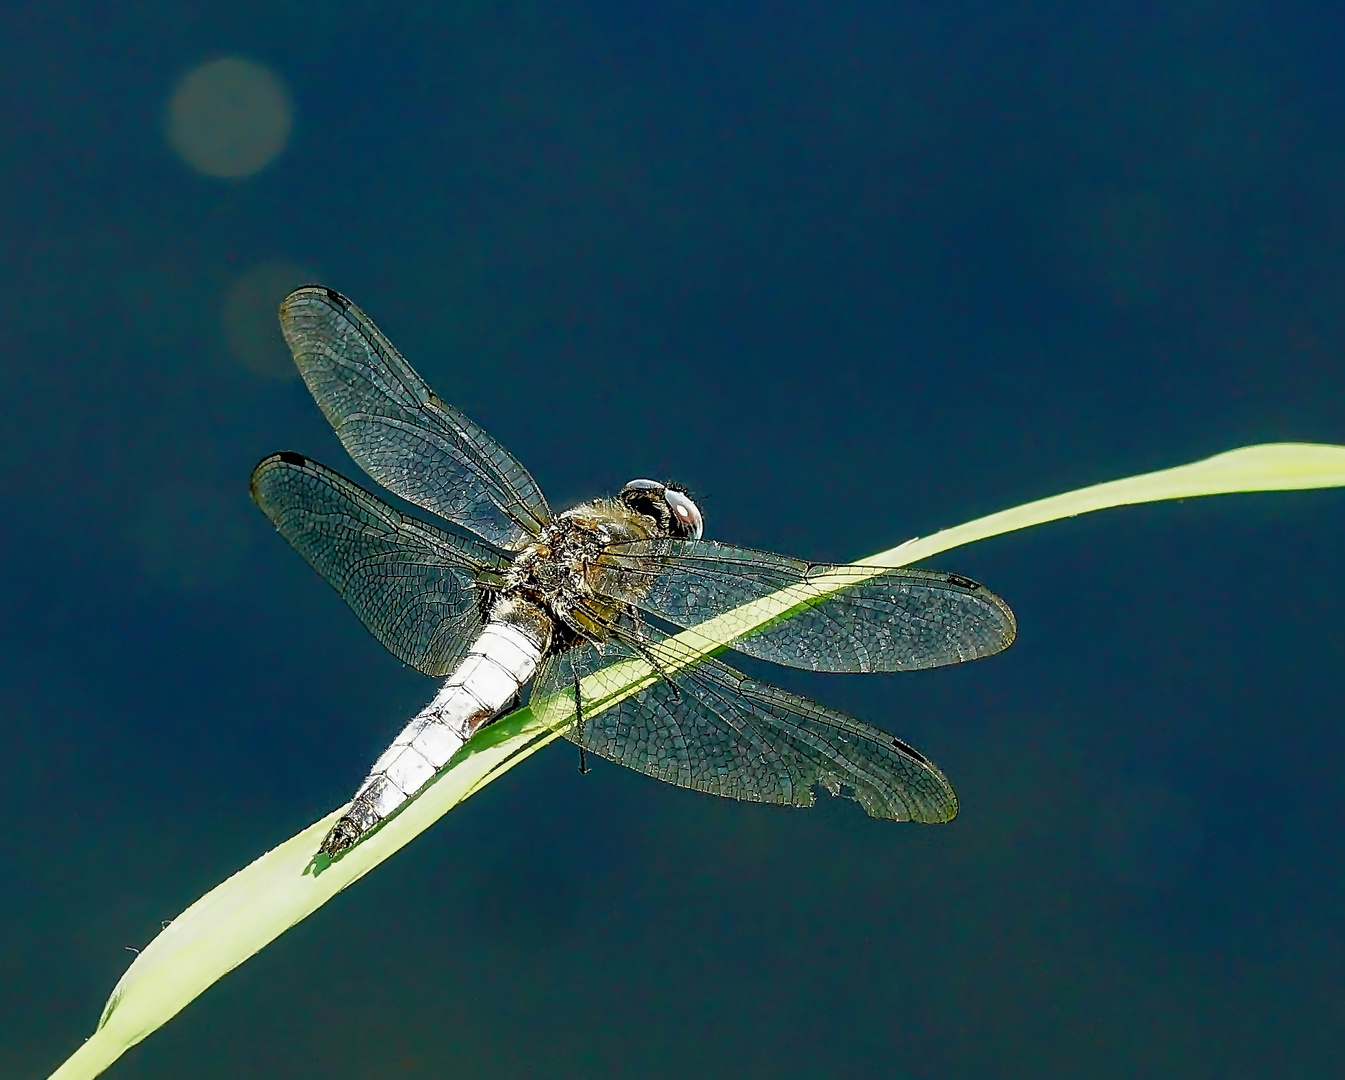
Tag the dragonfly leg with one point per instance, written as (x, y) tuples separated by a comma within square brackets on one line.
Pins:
[(636, 642), (579, 726)]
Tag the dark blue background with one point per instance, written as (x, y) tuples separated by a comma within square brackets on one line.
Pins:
[(853, 272)]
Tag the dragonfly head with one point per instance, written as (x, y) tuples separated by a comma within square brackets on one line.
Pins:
[(667, 504)]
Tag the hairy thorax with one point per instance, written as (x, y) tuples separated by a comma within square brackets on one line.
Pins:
[(557, 571)]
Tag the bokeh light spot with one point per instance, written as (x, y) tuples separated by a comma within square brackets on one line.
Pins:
[(251, 323), (229, 118)]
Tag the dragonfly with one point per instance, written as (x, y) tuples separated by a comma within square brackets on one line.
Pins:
[(505, 593)]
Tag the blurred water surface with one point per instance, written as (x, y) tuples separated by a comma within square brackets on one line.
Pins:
[(852, 272)]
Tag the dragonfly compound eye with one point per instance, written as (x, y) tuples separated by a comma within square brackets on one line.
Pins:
[(636, 487), (686, 514), (646, 497)]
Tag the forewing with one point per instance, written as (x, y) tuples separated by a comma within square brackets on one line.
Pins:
[(418, 589), (725, 734), (398, 431), (899, 620)]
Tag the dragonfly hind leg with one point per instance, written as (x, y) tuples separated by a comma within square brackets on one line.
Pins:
[(579, 727)]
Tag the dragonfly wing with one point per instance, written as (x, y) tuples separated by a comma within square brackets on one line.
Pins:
[(708, 727), (398, 431), (419, 590), (897, 620)]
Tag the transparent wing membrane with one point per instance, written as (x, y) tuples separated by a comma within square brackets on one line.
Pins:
[(712, 729), (899, 620), (692, 721), (416, 588), (398, 431)]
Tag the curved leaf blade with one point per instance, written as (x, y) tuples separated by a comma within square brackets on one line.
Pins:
[(244, 914)]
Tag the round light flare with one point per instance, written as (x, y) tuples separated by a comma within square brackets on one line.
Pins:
[(229, 118), (250, 318)]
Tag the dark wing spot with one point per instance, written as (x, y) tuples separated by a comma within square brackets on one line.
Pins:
[(336, 298), (907, 748), (289, 457), (963, 582)]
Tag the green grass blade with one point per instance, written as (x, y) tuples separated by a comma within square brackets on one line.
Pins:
[(259, 903)]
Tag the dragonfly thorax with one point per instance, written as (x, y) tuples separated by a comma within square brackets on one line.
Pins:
[(554, 571)]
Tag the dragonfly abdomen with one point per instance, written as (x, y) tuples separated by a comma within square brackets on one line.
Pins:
[(499, 664)]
